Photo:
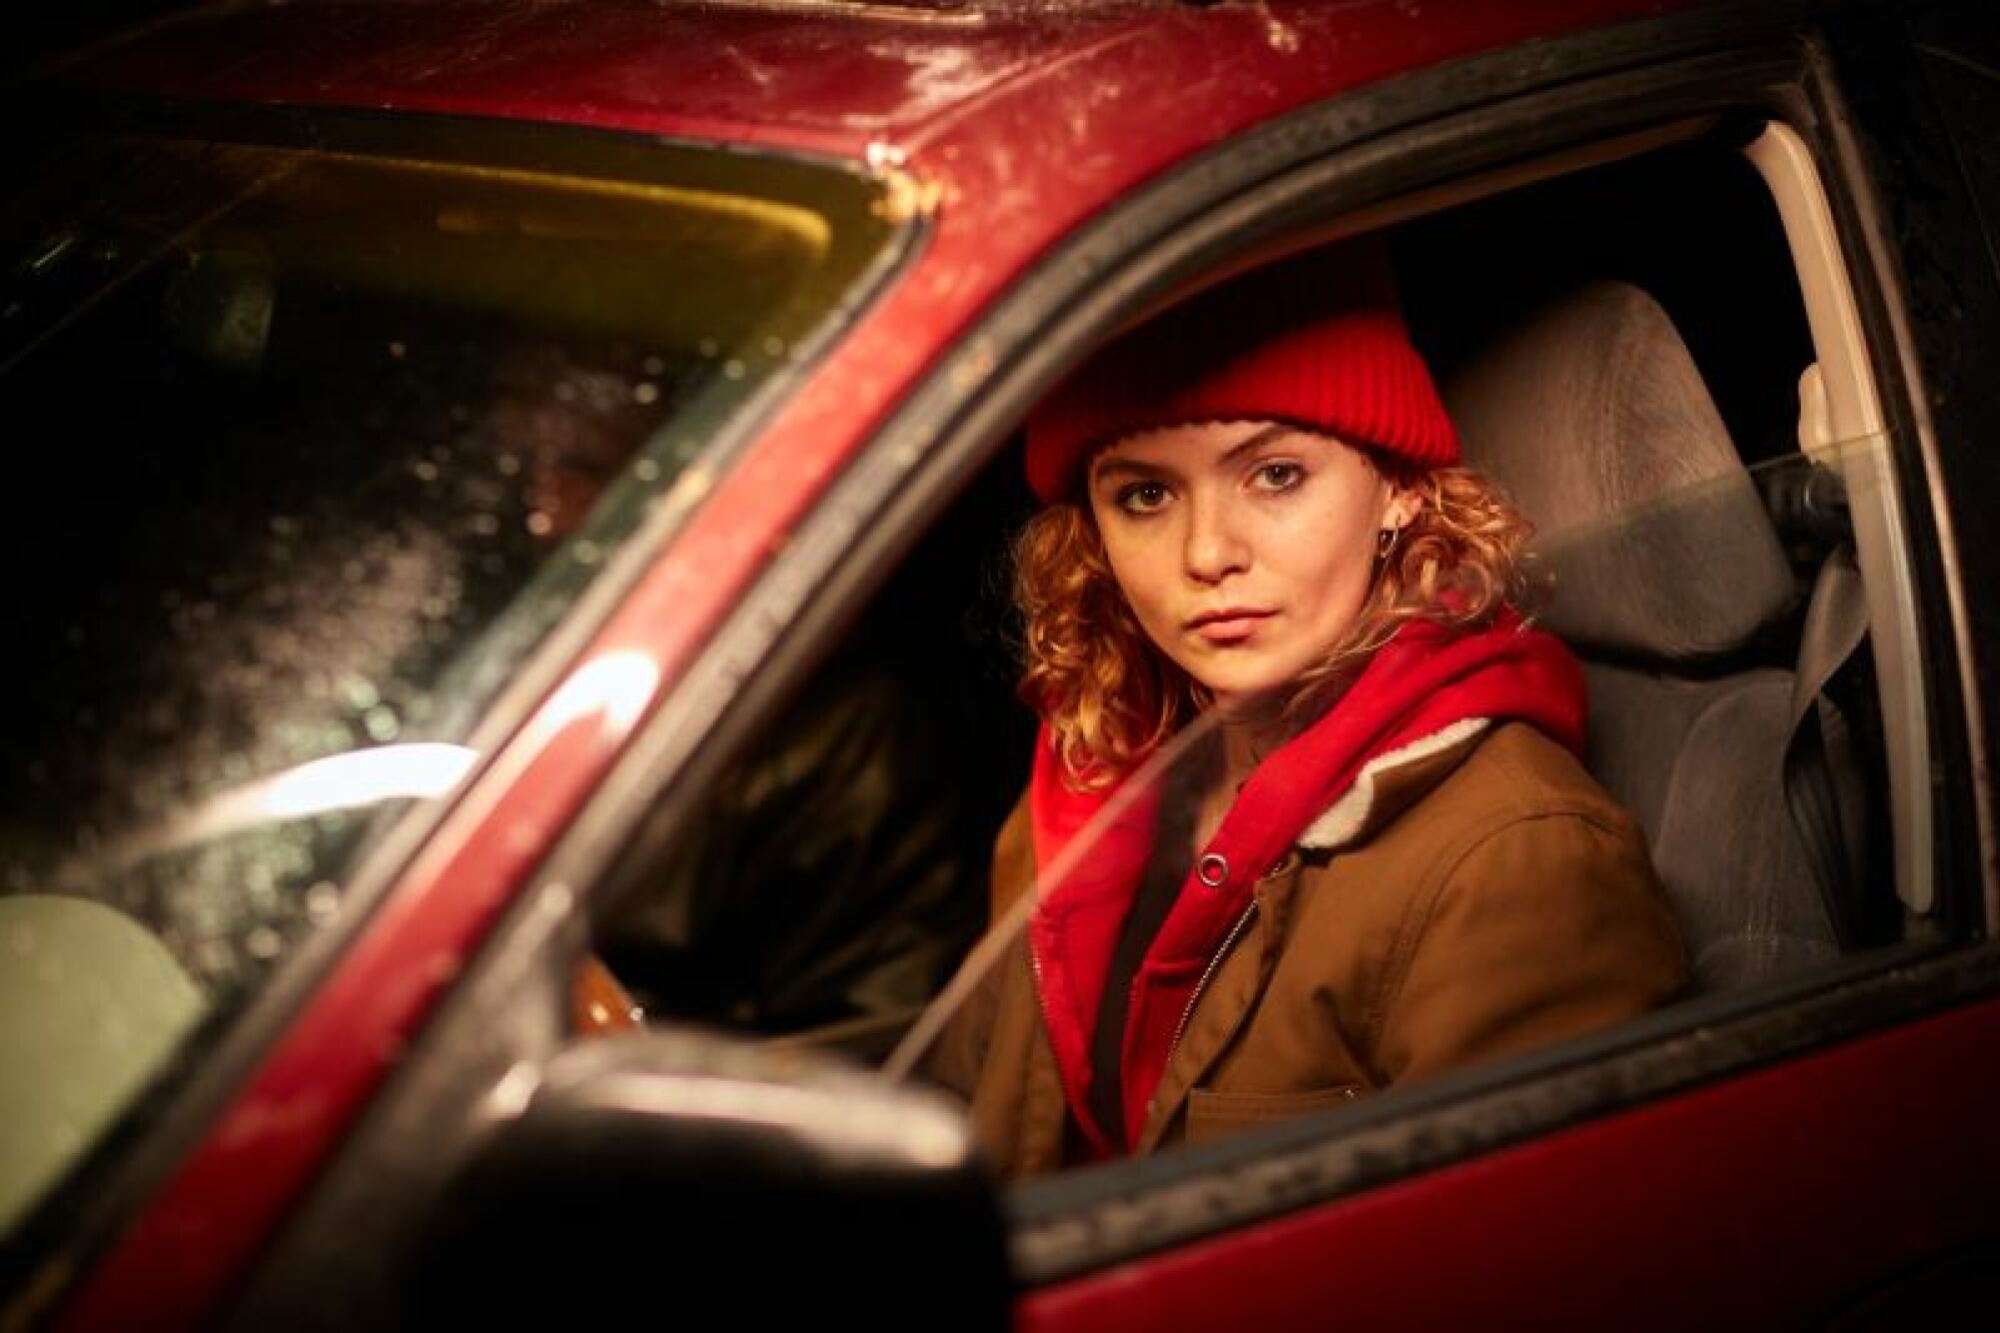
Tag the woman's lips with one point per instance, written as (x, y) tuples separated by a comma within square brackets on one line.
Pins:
[(1233, 625)]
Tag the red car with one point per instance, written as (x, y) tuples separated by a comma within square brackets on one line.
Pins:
[(507, 506)]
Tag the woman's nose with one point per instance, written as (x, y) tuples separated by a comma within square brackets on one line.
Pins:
[(1214, 548)]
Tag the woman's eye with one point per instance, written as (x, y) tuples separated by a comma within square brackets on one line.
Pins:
[(1142, 497), (1279, 476)]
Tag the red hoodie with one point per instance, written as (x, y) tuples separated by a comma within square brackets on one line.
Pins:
[(1424, 680)]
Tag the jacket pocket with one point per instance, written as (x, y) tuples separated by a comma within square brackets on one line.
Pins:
[(1210, 1114)]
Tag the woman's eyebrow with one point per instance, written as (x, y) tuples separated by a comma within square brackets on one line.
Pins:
[(1134, 467), (1127, 467), (1255, 439)]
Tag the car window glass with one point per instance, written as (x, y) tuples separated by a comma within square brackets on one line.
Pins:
[(1754, 766), (314, 445), (833, 878), (1635, 389)]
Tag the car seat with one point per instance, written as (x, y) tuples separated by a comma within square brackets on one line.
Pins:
[(1669, 581), (92, 1007)]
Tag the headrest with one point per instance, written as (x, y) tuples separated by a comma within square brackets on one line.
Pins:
[(1593, 417)]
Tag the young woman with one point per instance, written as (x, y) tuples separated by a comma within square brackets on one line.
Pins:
[(1385, 860)]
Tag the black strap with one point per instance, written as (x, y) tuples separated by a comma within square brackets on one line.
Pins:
[(1823, 785), (1159, 886)]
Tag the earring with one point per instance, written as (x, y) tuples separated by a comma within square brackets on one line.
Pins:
[(1385, 541)]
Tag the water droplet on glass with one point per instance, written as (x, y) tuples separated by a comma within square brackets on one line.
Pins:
[(397, 349), (361, 694), (380, 723), (508, 464), (645, 393), (653, 365), (322, 901), (646, 470), (212, 956), (588, 553), (732, 369), (425, 470), (774, 346), (709, 347)]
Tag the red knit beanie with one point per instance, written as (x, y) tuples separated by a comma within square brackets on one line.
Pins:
[(1317, 342)]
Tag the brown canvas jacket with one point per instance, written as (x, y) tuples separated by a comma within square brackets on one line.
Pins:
[(1472, 896)]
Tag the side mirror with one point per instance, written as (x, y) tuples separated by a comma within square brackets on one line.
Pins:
[(662, 1174)]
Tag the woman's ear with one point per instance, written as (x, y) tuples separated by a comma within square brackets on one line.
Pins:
[(1404, 502)]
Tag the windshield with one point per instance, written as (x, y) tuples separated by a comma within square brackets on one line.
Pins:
[(315, 433)]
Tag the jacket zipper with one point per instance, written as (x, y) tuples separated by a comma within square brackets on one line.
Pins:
[(1070, 1093), (1228, 943)]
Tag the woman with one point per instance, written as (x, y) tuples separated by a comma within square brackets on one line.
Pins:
[(1387, 860)]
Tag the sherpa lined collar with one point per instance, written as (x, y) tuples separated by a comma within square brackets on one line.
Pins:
[(1390, 783)]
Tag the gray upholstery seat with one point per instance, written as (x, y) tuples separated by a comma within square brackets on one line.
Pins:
[(1665, 569)]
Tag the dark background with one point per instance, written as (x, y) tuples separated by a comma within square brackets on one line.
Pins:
[(40, 36)]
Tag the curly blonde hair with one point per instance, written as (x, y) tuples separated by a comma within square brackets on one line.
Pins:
[(1109, 696)]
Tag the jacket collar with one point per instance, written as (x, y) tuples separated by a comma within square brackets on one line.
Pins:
[(1390, 783)]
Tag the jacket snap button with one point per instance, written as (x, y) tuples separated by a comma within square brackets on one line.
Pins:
[(1213, 870)]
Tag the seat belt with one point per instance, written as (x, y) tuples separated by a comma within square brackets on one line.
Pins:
[(1823, 786)]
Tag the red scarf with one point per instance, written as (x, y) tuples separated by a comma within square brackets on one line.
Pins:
[(1424, 680)]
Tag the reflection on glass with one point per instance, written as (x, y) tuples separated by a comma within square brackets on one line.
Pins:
[(355, 780), (1738, 723), (329, 432)]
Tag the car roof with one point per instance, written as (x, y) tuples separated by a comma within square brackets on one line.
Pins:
[(835, 77)]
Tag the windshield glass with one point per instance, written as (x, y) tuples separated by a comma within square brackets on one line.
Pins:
[(316, 432)]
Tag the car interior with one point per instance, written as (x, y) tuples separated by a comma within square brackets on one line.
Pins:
[(1655, 351), (1658, 358), (1653, 343)]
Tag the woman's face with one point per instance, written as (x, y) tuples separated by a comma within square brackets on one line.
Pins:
[(1244, 548)]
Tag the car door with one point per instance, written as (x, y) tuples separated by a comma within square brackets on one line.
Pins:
[(1819, 1157), (1772, 1153)]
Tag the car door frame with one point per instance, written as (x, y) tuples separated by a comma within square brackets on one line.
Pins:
[(1230, 1216)]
